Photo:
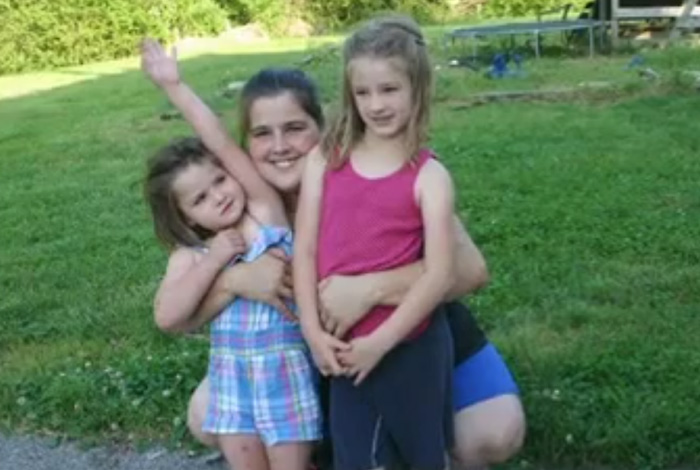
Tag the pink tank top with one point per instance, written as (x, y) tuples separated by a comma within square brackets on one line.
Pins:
[(370, 225)]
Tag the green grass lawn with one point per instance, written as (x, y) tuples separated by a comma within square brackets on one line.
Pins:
[(587, 209)]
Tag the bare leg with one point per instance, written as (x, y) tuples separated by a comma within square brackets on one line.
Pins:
[(290, 456), (489, 432), (196, 413), (244, 451)]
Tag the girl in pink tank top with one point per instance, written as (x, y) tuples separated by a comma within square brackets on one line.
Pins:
[(370, 225), (373, 199)]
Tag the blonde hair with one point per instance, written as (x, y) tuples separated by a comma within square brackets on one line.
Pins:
[(386, 37)]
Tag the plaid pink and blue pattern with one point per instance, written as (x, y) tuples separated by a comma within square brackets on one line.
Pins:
[(262, 377)]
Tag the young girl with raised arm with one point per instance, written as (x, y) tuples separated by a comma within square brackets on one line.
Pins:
[(211, 208)]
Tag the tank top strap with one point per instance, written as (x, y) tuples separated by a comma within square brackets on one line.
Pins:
[(267, 237), (425, 154)]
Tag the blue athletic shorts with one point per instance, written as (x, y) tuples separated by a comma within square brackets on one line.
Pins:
[(482, 376)]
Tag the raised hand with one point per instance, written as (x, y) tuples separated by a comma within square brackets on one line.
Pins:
[(157, 65)]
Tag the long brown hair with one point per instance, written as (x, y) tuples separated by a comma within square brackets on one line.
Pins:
[(386, 37), (169, 223)]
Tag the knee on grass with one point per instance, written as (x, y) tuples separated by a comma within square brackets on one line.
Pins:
[(490, 445)]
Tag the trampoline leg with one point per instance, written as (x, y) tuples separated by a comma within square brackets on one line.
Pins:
[(590, 42), (537, 44)]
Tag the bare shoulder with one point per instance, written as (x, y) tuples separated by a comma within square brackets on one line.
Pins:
[(435, 168), (433, 176)]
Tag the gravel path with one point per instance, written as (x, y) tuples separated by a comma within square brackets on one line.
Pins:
[(32, 453)]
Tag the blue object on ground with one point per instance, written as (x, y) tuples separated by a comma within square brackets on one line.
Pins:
[(636, 61), (499, 66)]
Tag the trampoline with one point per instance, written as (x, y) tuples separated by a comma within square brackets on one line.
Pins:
[(536, 28)]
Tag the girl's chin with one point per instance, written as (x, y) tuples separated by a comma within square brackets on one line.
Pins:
[(233, 220), (285, 183)]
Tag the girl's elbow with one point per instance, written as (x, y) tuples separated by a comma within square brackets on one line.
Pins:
[(481, 276), (166, 323), (470, 277)]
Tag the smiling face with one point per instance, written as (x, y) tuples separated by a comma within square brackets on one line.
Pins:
[(381, 91), (281, 134), (386, 88), (208, 197)]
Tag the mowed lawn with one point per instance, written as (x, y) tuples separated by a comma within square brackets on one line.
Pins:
[(587, 209)]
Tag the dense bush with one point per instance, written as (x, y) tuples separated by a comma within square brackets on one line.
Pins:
[(49, 33), (275, 15), (272, 14), (236, 10), (338, 13), (526, 7)]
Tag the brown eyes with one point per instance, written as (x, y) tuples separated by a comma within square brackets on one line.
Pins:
[(290, 128), (198, 200), (386, 89)]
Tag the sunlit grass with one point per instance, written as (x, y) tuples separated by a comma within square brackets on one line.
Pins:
[(586, 209), (12, 86)]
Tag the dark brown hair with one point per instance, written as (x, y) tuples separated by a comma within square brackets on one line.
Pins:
[(385, 37), (273, 82), (169, 224)]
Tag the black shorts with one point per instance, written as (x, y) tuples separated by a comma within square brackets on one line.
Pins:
[(468, 338), (322, 456), (402, 414)]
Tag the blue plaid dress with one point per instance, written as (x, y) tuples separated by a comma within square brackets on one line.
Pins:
[(262, 377)]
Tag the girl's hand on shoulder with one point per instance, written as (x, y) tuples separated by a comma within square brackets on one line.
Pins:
[(325, 349), (343, 301), (226, 245), (158, 65), (363, 356)]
